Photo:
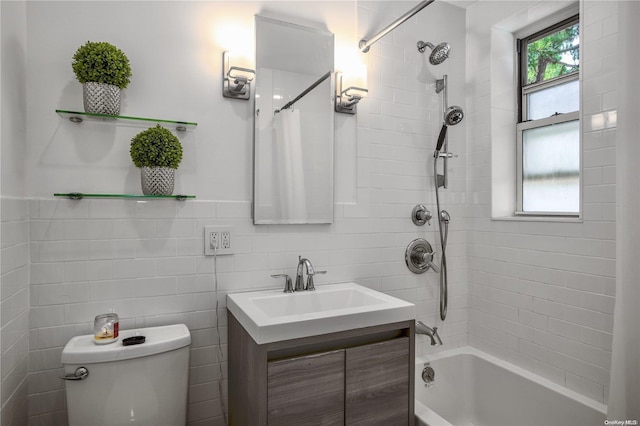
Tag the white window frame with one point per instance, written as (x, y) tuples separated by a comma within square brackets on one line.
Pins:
[(524, 124)]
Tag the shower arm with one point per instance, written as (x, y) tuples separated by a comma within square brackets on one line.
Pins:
[(366, 44)]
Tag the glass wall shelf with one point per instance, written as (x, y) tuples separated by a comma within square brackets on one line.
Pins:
[(79, 117), (80, 196)]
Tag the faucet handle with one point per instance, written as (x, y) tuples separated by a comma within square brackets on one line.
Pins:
[(310, 285), (421, 215), (288, 286)]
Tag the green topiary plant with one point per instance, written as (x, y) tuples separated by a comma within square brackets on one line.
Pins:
[(101, 62), (156, 147)]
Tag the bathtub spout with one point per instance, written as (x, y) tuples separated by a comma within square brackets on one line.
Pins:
[(432, 332)]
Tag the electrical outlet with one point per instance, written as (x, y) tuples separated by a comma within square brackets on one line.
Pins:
[(220, 238), (225, 239), (214, 240)]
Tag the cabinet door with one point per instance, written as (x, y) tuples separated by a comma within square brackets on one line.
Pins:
[(306, 390), (377, 384)]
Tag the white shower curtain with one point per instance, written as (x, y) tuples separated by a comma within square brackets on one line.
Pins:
[(288, 148), (624, 390)]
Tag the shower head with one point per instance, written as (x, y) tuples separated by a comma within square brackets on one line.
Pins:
[(452, 116), (438, 54)]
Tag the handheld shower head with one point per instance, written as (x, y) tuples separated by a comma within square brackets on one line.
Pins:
[(452, 116), (438, 54), (441, 136)]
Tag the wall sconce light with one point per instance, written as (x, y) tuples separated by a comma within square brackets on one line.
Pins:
[(347, 99), (236, 81)]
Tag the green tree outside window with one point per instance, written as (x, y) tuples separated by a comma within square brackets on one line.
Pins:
[(554, 55)]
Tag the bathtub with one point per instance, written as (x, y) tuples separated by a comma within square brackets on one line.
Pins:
[(472, 388)]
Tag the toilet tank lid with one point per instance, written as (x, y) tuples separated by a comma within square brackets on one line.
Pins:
[(83, 350)]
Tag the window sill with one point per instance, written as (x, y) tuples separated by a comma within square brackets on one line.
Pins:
[(568, 219)]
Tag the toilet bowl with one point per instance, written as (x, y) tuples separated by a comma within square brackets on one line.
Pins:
[(141, 384)]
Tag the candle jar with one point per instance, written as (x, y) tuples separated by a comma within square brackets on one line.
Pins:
[(105, 329)]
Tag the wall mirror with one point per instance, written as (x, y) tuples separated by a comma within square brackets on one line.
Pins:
[(293, 139)]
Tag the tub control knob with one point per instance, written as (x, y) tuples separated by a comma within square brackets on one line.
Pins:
[(428, 375)]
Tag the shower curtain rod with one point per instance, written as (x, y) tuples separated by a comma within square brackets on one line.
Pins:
[(304, 92), (366, 44)]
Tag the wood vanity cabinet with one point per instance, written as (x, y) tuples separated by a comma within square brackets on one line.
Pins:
[(354, 377), (378, 383), (306, 390)]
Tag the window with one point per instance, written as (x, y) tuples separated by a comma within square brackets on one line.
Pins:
[(548, 143)]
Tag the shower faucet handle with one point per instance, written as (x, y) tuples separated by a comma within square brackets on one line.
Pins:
[(419, 256), (421, 215)]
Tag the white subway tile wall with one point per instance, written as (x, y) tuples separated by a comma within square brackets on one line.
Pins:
[(14, 310), (542, 294)]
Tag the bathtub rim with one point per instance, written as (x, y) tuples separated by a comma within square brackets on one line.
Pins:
[(429, 415)]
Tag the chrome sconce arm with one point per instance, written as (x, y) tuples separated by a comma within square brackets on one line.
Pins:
[(347, 99), (236, 81)]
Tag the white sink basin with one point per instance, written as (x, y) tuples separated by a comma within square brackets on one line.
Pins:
[(270, 316)]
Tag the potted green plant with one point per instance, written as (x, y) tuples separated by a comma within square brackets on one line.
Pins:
[(104, 71), (158, 153)]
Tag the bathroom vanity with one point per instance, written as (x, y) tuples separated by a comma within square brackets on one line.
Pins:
[(356, 370)]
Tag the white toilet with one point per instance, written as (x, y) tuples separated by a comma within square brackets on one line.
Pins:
[(143, 384)]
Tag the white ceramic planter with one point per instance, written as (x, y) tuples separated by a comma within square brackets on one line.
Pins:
[(101, 98), (157, 180)]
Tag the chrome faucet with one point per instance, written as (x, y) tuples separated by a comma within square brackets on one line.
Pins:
[(299, 275), (421, 328)]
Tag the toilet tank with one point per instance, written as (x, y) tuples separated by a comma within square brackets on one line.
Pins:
[(143, 384)]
